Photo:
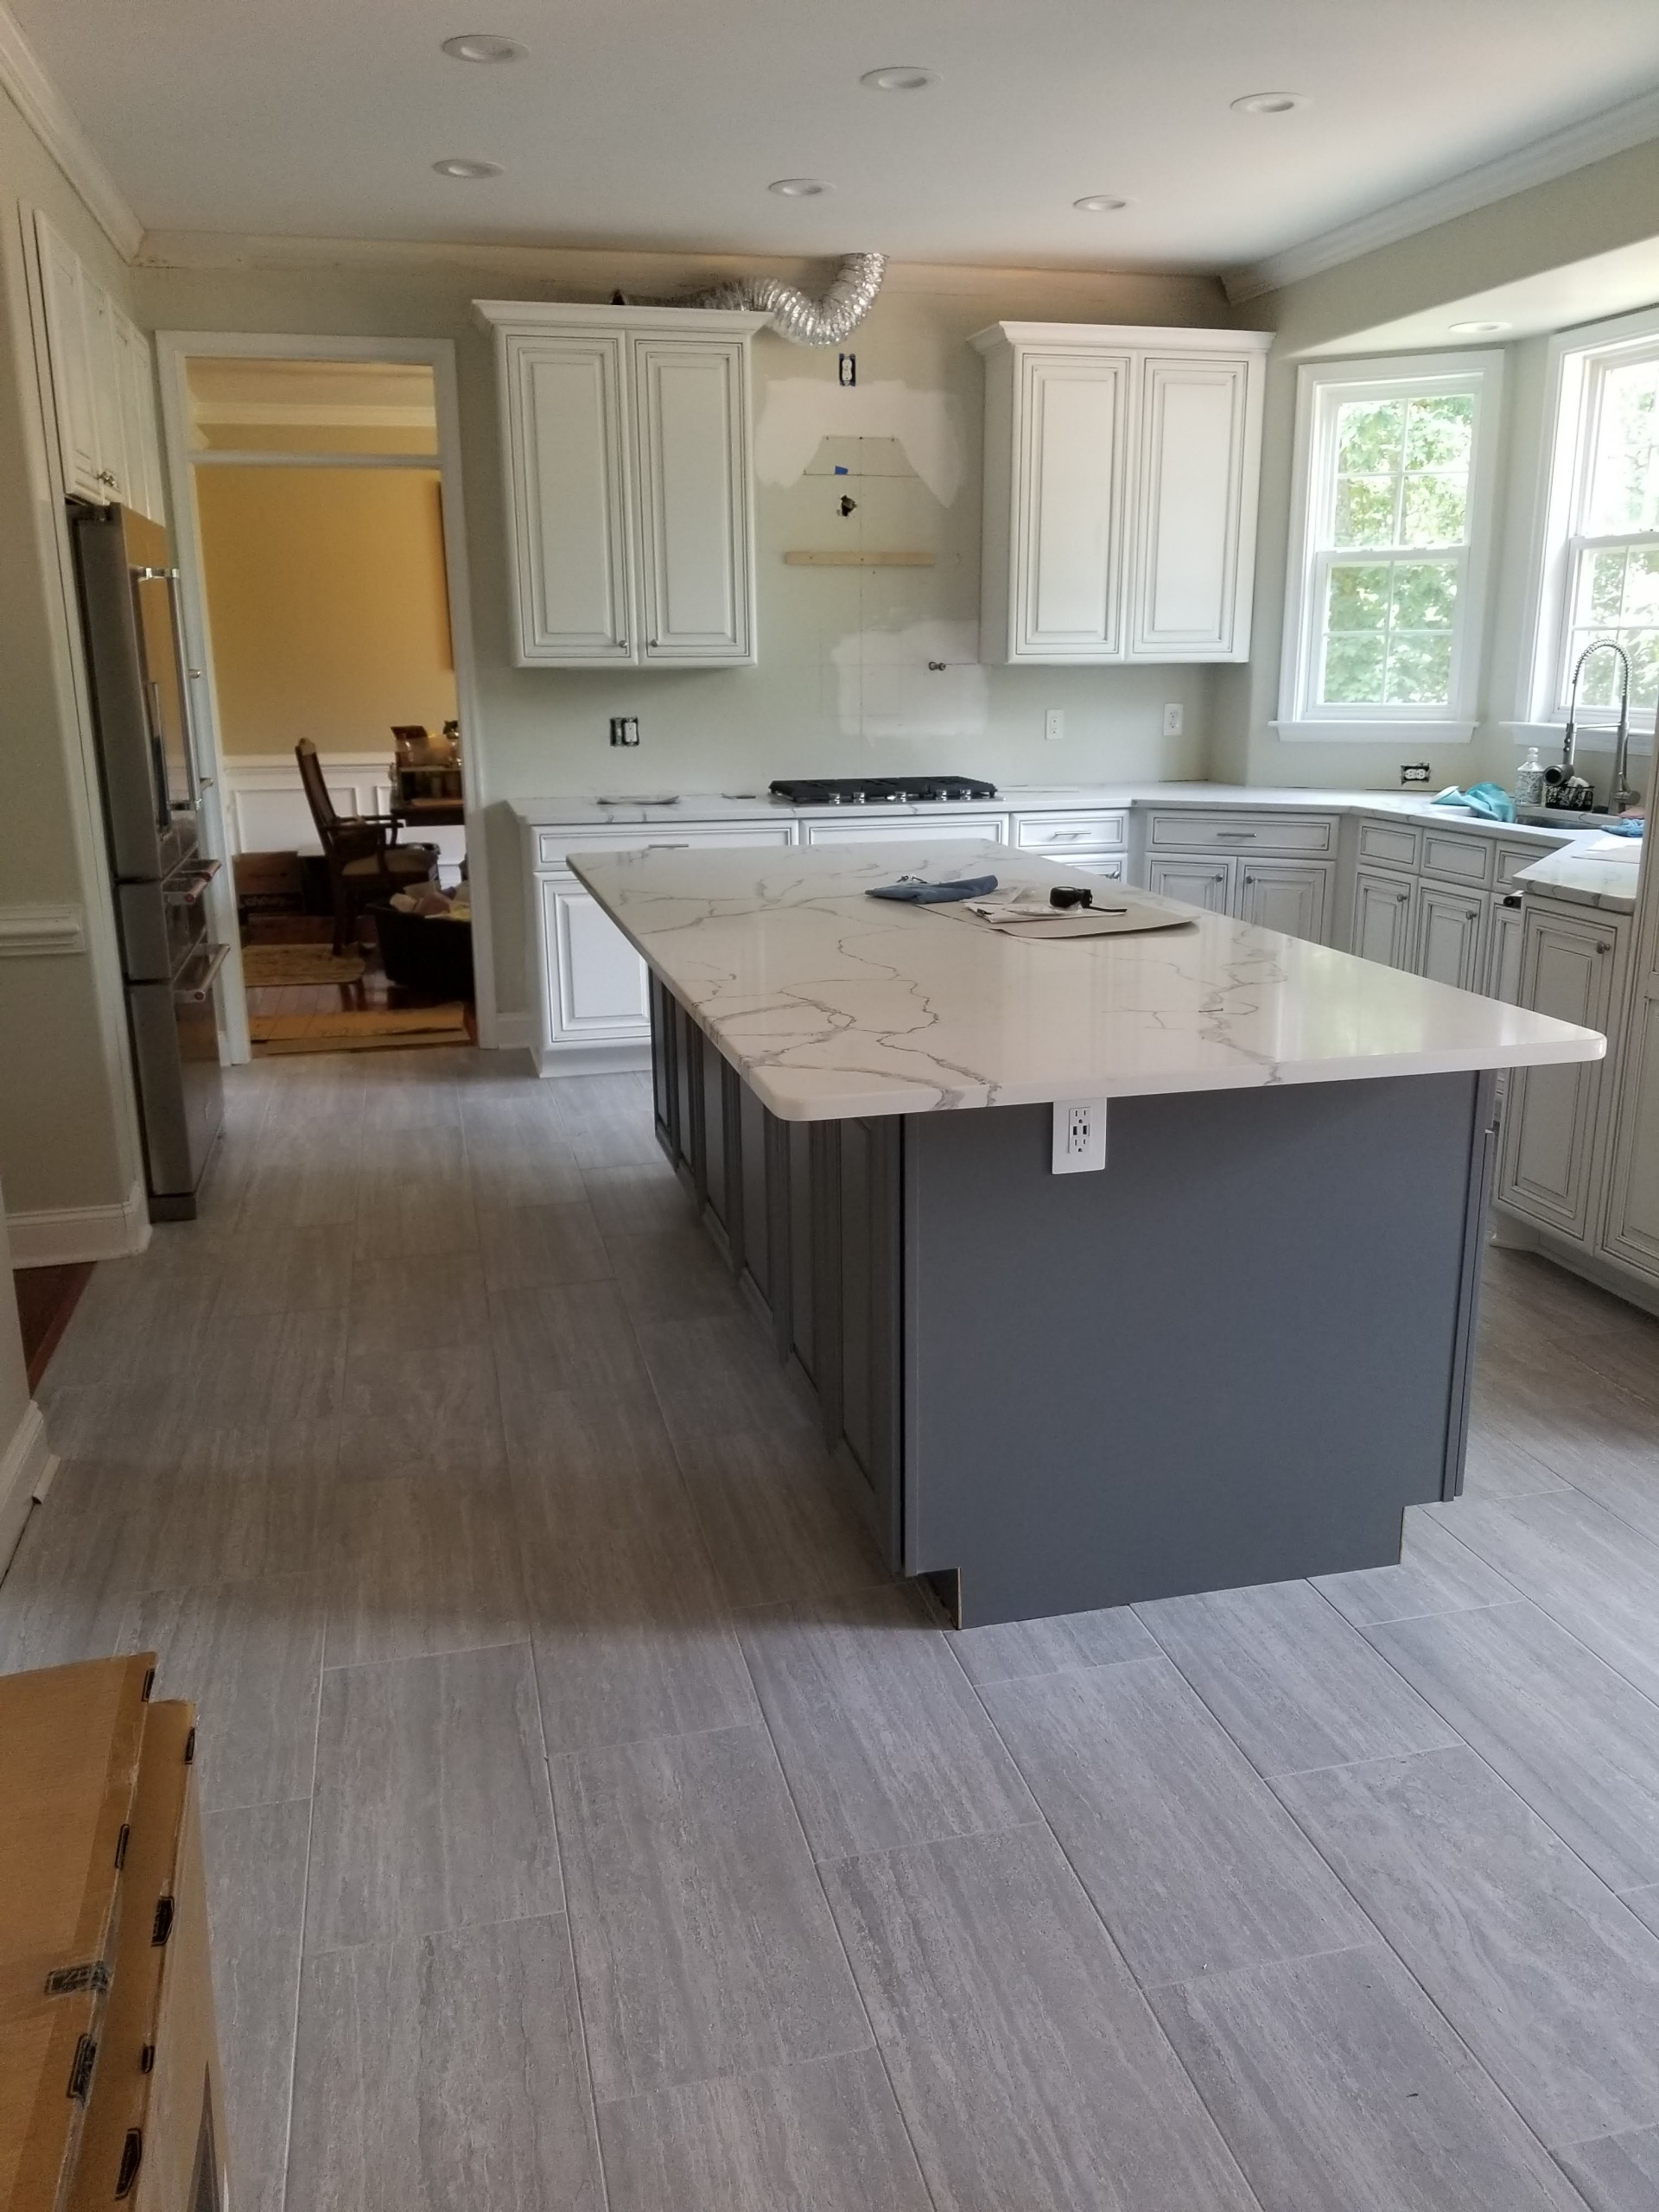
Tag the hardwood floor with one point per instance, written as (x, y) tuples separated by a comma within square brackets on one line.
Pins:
[(591, 1822)]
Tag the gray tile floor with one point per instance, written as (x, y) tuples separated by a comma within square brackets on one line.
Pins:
[(592, 1824)]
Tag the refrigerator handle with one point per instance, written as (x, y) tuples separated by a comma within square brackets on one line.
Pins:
[(186, 705), (158, 755)]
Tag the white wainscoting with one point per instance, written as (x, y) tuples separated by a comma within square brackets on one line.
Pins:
[(265, 809)]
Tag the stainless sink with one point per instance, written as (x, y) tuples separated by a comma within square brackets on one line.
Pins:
[(1563, 817)]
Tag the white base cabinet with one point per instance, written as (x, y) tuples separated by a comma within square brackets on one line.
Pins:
[(1121, 469), (627, 439), (1553, 1161)]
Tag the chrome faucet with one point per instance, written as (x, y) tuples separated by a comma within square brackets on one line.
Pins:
[(1621, 795)]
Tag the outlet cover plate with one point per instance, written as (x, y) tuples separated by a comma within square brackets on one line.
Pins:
[(1174, 718), (1079, 1135)]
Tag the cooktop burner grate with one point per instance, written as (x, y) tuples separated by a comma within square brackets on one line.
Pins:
[(878, 790)]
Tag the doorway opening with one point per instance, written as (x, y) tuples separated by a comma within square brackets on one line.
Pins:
[(323, 568)]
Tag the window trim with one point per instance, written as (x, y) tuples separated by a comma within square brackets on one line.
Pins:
[(1302, 719), (1576, 356)]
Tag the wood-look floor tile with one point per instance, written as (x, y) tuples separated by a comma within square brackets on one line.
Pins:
[(879, 1733), (444, 2071), (1192, 1862), (430, 1410), (1615, 2173), (402, 1093), (1536, 1963), (422, 1565), (250, 1655), (1027, 2063), (1015, 1651), (1586, 1569), (703, 1939), (607, 1119), (717, 1375), (673, 1275), (211, 1520), (635, 1199), (303, 1178), (285, 1271), (1495, 1465), (777, 1518), (519, 1154), (1290, 1681), (432, 1807), (1645, 1903), (257, 1372), (69, 1584), (631, 1634), (414, 1200), (256, 1905), (1338, 2086), (557, 1347), (1436, 1574), (528, 1245), (1567, 1733), (825, 2136), (397, 1307)]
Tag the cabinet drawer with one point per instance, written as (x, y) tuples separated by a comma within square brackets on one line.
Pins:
[(1194, 831), (1059, 832), (1511, 859), (1457, 860), (1109, 864), (1393, 843), (926, 829), (553, 847)]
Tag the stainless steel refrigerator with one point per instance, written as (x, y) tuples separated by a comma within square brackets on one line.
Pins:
[(130, 614)]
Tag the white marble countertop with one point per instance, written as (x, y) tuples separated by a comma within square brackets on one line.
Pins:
[(1028, 798), (831, 1004), (1597, 871)]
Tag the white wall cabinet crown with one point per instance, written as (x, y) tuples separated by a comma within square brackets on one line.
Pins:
[(626, 438), (103, 385), (1121, 474)]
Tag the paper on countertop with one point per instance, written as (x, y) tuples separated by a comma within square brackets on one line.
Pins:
[(1606, 848), (1026, 913)]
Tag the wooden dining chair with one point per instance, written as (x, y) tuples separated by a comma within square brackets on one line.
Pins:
[(366, 863)]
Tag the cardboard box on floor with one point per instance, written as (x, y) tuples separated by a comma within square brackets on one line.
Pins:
[(110, 2089)]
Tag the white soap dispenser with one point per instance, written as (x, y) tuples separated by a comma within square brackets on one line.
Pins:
[(1529, 780)]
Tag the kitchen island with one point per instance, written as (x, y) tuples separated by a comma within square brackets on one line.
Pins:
[(1234, 1355)]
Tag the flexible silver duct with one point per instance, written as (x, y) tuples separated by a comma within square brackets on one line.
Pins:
[(804, 321)]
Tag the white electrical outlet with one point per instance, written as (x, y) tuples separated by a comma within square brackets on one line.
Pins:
[(1054, 724), (1079, 1135), (1174, 718)]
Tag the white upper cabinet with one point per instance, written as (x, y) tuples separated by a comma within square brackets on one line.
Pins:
[(626, 436), (103, 385), (1121, 469)]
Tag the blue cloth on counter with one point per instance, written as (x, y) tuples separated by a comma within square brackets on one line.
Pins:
[(1624, 825), (1491, 801), (918, 893)]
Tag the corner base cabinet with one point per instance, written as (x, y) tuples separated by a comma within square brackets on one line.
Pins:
[(1121, 469), (626, 436)]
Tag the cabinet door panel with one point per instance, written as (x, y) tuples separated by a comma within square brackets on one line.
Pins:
[(1503, 951), (1449, 937), (1200, 882), (1285, 895), (137, 394), (1192, 415), (695, 527), (1550, 1112), (1632, 1232), (104, 367), (1383, 918), (596, 985), (1070, 553), (71, 380), (564, 408)]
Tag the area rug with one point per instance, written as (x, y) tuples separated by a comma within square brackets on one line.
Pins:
[(379, 1030), (269, 966)]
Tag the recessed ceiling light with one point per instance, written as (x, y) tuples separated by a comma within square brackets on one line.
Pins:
[(898, 77), (459, 165), (1100, 203), (799, 187), (1479, 329), (483, 46), (1270, 103)]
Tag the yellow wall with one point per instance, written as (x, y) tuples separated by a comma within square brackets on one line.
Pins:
[(326, 594)]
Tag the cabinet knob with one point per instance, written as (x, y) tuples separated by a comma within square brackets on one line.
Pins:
[(1473, 913), (1400, 897), (1604, 945)]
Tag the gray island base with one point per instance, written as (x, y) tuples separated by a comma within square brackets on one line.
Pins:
[(1236, 1356)]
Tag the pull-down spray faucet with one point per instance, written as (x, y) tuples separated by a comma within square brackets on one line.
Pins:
[(1620, 795)]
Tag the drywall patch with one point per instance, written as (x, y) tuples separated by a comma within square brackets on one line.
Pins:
[(925, 681), (802, 412)]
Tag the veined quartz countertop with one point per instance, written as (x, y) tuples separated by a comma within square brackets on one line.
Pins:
[(1605, 877), (1028, 798), (832, 1004)]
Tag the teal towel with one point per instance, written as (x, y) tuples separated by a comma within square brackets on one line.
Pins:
[(1491, 801)]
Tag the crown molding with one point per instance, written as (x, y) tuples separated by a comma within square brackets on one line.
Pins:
[(43, 107), (1614, 131)]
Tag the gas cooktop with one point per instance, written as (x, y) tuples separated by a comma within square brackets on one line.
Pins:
[(877, 791)]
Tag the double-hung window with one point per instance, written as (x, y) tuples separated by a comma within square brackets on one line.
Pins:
[(1600, 569), (1389, 537)]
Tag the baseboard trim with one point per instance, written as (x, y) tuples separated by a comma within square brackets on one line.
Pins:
[(591, 1059), (55, 1236), (26, 1471), (510, 1033)]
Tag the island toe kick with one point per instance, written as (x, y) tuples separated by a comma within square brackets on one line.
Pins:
[(1236, 1356)]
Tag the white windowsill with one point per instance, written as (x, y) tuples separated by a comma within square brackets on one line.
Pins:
[(1374, 733)]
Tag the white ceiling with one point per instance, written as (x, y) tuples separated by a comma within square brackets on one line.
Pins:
[(659, 123)]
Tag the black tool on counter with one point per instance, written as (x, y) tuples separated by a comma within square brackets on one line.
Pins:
[(1070, 894)]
